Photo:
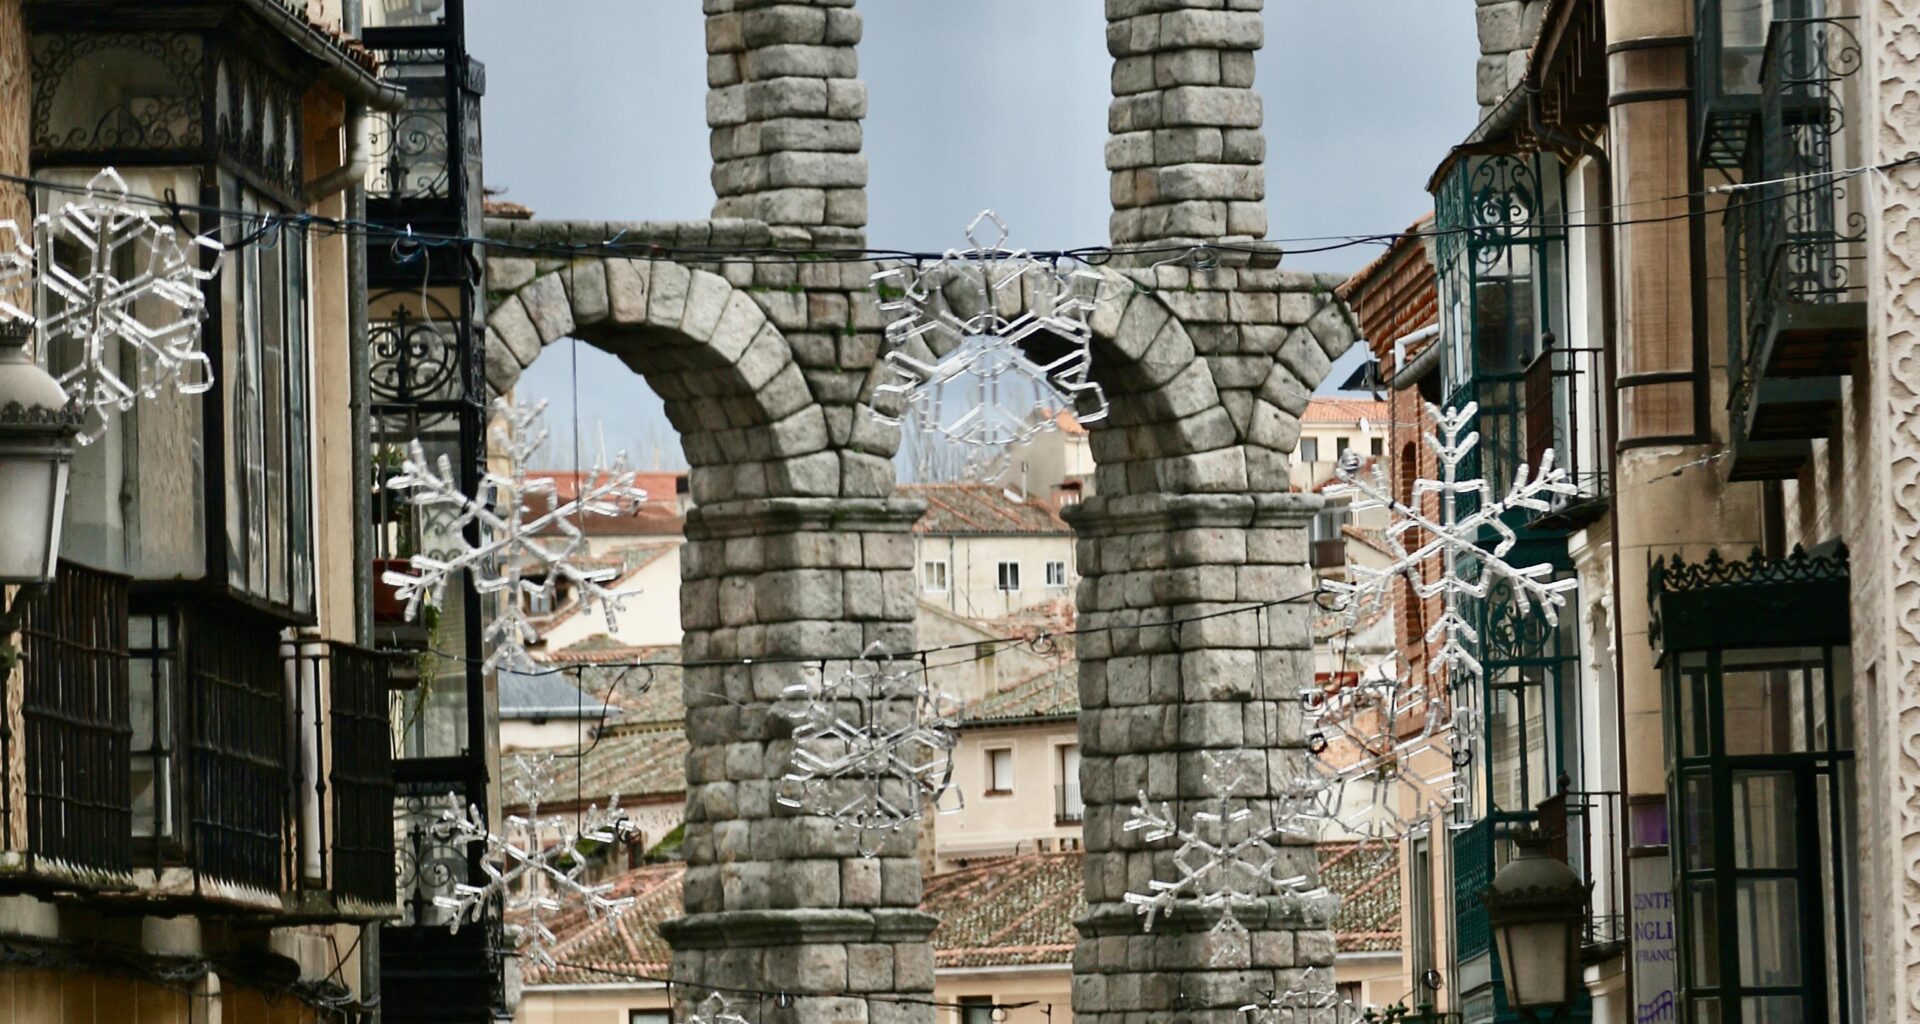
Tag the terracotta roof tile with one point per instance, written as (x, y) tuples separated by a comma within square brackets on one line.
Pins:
[(1346, 410), (981, 508), (1000, 912), (1052, 691)]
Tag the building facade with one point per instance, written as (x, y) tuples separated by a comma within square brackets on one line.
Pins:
[(1667, 255), (197, 816)]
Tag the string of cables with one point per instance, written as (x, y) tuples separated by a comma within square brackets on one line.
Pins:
[(408, 243)]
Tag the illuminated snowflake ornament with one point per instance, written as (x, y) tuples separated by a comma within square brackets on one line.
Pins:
[(534, 866), (529, 539), (715, 1009), (1385, 754), (120, 299), (872, 746), (1414, 537), (1312, 999), (988, 347), (1227, 860)]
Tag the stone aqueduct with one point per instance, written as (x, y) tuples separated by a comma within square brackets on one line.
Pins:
[(798, 548)]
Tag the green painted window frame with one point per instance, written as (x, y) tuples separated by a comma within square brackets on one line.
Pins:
[(1709, 769)]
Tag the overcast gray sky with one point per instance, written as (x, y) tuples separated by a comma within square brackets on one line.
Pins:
[(595, 109)]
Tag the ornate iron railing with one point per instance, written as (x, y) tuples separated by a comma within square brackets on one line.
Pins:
[(1796, 235), (74, 714), (1566, 408), (340, 786)]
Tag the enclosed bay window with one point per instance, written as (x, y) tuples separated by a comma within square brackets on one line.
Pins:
[(1502, 270), (1761, 788), (268, 454), (1531, 698), (136, 502)]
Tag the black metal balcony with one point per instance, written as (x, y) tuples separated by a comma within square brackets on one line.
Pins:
[(1795, 243), (1068, 808), (340, 794), (72, 752), (237, 739), (1566, 417)]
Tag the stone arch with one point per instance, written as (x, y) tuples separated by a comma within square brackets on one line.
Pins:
[(746, 415), (1207, 373)]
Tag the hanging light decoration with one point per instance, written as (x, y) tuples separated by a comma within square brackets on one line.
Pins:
[(530, 540), (116, 289), (1414, 537), (872, 747), (987, 348)]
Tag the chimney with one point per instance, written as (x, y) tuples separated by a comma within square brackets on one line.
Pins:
[(1184, 144), (784, 107)]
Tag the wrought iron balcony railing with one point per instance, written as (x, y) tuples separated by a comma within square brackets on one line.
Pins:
[(66, 799), (1795, 245), (340, 793), (1585, 826), (1566, 414)]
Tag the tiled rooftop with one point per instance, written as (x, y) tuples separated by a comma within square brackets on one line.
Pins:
[(981, 508), (1346, 410), (1002, 912), (1052, 692)]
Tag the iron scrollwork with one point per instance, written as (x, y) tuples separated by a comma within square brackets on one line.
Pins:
[(258, 122), (428, 859), (157, 108)]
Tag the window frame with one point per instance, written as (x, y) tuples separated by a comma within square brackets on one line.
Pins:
[(1697, 738), (1004, 572), (946, 578), (1050, 566), (992, 781), (1309, 449)]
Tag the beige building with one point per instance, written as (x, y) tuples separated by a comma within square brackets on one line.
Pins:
[(985, 551)]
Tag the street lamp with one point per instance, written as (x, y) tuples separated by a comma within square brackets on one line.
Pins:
[(1534, 909), (37, 428)]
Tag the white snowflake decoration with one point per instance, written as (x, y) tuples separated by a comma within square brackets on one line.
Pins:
[(1385, 754), (1227, 859), (534, 866), (715, 1009), (872, 746), (1311, 1000), (112, 280), (529, 539), (1414, 537), (965, 347)]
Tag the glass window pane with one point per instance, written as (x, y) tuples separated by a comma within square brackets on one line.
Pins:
[(1706, 1011), (1693, 713), (1756, 705), (1696, 825), (1764, 820), (1507, 735), (1703, 934), (1771, 1010), (1769, 930)]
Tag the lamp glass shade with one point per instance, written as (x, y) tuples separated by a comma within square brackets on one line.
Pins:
[(33, 493), (1535, 957)]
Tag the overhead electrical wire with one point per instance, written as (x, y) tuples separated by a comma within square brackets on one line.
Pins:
[(408, 243)]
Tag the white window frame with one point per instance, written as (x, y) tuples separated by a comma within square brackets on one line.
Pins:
[(1001, 576), (1056, 580), (926, 581), (1309, 449)]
